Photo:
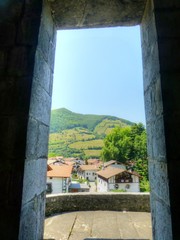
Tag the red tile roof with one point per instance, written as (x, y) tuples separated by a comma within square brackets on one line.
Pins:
[(111, 171), (48, 167), (60, 171), (89, 168)]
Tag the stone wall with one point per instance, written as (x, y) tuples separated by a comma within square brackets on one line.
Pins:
[(168, 34), (33, 200), (158, 173), (18, 41), (27, 46), (137, 202), (161, 63)]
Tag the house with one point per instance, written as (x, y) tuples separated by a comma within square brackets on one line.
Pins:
[(109, 163), (93, 161), (58, 179), (78, 187), (88, 172), (112, 178)]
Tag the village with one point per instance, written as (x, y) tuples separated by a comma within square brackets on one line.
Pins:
[(71, 175)]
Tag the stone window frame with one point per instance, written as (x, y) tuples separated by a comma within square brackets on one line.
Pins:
[(147, 23)]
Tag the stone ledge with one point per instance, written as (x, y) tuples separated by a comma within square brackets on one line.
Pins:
[(111, 239), (137, 202)]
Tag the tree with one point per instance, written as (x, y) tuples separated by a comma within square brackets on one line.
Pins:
[(140, 146), (118, 145), (126, 143), (129, 143)]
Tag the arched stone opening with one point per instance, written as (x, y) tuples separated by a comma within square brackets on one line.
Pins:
[(27, 46)]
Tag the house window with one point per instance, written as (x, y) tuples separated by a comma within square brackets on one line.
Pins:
[(48, 187)]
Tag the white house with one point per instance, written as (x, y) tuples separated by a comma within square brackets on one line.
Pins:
[(58, 178), (88, 172), (116, 178)]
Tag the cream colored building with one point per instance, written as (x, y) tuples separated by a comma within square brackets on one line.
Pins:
[(112, 178), (88, 172)]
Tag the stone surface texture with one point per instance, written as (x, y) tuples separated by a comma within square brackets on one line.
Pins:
[(161, 59), (19, 30), (33, 200), (69, 14), (59, 203), (99, 225)]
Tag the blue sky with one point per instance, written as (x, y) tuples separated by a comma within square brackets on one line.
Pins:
[(99, 71)]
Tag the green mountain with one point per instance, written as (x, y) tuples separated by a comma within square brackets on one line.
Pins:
[(79, 135)]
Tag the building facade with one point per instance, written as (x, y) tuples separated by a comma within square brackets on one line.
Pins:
[(117, 179)]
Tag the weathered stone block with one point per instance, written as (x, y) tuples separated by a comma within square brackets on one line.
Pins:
[(161, 219), (40, 104), (31, 226), (159, 180), (150, 65), (156, 141), (153, 101), (148, 30), (42, 144), (51, 54), (32, 138), (81, 14), (42, 72), (47, 20), (44, 42), (35, 179)]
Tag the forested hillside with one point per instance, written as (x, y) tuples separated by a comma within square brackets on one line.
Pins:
[(80, 135)]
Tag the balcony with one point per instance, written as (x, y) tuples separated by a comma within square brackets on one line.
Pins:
[(84, 216)]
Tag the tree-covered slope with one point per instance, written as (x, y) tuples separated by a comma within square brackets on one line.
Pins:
[(62, 119)]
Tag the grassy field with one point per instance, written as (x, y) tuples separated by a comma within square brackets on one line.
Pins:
[(79, 135), (106, 126), (92, 153), (93, 144)]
